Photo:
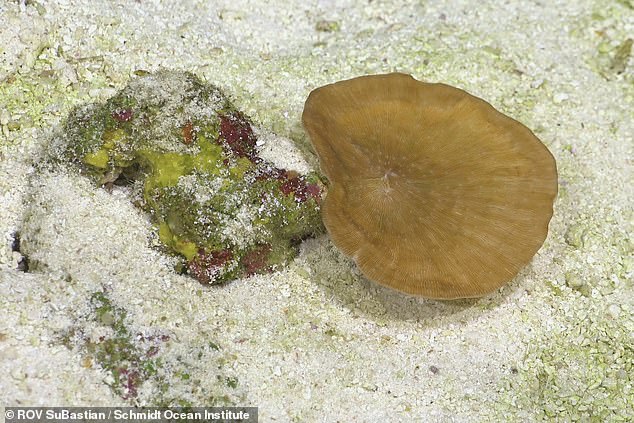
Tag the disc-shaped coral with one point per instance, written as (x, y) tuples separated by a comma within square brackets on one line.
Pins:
[(432, 191)]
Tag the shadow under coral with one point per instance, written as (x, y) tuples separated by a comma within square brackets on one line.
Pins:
[(341, 280)]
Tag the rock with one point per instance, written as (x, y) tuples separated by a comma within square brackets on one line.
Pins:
[(193, 159)]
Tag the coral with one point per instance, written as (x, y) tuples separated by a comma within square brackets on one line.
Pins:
[(214, 201), (433, 192)]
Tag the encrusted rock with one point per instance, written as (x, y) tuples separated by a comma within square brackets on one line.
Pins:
[(194, 160)]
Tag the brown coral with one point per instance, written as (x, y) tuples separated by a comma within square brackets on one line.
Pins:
[(433, 192)]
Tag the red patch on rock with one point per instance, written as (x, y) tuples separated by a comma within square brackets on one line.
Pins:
[(290, 186), (314, 191), (236, 130), (207, 266), (189, 133), (291, 183), (256, 260), (122, 115), (130, 379), (269, 172), (300, 189)]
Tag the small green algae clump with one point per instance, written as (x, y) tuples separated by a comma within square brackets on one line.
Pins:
[(139, 366), (129, 365), (193, 158)]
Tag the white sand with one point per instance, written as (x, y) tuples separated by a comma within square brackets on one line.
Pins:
[(317, 342)]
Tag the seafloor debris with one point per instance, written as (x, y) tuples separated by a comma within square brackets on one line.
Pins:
[(193, 160)]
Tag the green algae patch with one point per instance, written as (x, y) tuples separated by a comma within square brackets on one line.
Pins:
[(146, 119), (194, 161), (327, 26), (137, 365), (32, 99), (582, 373), (129, 365), (612, 39)]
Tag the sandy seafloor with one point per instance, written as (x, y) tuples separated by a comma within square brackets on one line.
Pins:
[(316, 341)]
